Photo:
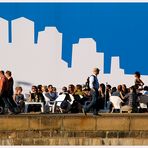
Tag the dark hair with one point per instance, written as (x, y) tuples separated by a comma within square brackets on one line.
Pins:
[(8, 73), (146, 88), (137, 74), (114, 89), (39, 87), (71, 86), (35, 87), (103, 87), (64, 89), (2, 72), (50, 85), (119, 88), (78, 86), (133, 88), (108, 86)]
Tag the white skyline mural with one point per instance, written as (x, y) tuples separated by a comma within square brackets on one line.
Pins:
[(42, 63)]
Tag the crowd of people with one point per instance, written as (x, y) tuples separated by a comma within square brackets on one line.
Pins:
[(91, 97)]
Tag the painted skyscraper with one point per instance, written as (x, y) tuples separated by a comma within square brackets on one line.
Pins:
[(42, 63)]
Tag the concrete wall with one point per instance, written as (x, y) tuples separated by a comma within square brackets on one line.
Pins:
[(60, 129)]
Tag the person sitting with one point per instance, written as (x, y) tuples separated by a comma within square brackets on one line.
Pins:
[(118, 92), (102, 98), (132, 101), (145, 90), (19, 98), (47, 97), (51, 93), (35, 96), (76, 106)]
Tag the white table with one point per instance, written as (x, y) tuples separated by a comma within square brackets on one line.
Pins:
[(28, 103)]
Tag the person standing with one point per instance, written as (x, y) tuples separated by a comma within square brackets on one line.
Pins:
[(94, 86), (10, 82), (4, 92), (3, 89), (138, 81)]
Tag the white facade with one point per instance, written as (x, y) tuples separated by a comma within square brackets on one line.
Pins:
[(42, 63)]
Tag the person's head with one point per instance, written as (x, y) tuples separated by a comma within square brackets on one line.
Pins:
[(64, 89), (119, 88), (39, 87), (1, 73), (8, 74), (114, 89), (145, 88), (44, 88), (78, 87), (18, 90), (124, 88), (132, 89), (34, 89), (54, 89), (96, 71), (102, 87), (71, 88), (50, 88), (108, 87), (137, 74)]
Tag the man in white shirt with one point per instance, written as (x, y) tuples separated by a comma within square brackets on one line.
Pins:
[(94, 86)]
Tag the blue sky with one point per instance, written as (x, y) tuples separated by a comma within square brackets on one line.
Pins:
[(120, 29)]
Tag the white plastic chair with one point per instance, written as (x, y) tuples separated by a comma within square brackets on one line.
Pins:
[(116, 102)]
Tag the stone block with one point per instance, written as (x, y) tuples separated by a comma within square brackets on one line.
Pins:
[(139, 123), (101, 134), (14, 123), (144, 134), (3, 134), (123, 134), (135, 134), (39, 141), (54, 141), (7, 142), (27, 141), (145, 142), (106, 141), (45, 134), (137, 141), (109, 123), (114, 141), (34, 123), (17, 141), (111, 134), (126, 141), (79, 124), (12, 134), (51, 123), (32, 134), (72, 141), (96, 141)]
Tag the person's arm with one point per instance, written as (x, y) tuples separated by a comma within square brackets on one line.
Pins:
[(91, 82), (1, 86), (126, 96), (121, 95), (14, 97), (141, 82)]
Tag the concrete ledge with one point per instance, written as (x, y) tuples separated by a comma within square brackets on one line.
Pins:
[(75, 122), (74, 129)]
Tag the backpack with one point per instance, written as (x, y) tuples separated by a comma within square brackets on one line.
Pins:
[(87, 83), (65, 103)]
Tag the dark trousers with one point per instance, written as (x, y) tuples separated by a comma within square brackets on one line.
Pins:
[(8, 103), (12, 102), (93, 104)]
